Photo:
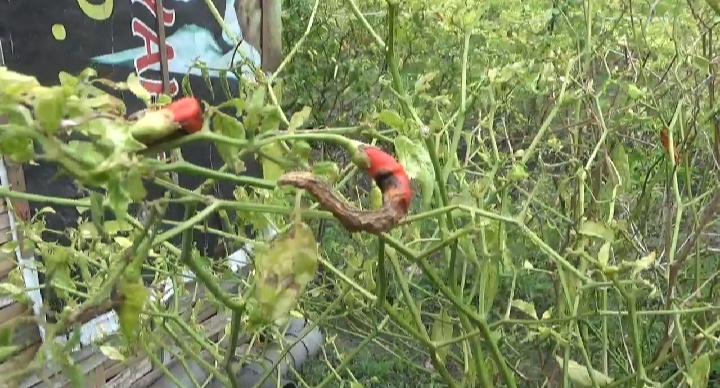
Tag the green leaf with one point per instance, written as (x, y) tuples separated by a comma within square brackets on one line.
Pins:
[(376, 199), (208, 80), (634, 92), (622, 165), (699, 372), (579, 374), (50, 108), (490, 281), (526, 307), (232, 128), (224, 84), (700, 63), (596, 229), (442, 331), (418, 165), (328, 170), (134, 296), (517, 173), (301, 149), (16, 84), (75, 375), (186, 87), (134, 185), (272, 170), (391, 119), (7, 352), (299, 118)]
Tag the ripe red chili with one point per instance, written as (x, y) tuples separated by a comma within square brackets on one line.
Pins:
[(187, 112), (389, 175), (665, 140)]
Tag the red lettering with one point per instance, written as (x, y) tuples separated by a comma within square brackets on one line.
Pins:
[(156, 87), (148, 36), (168, 14)]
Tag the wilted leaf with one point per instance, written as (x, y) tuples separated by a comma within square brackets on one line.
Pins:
[(134, 296), (283, 271), (136, 88), (698, 375), (299, 118), (596, 229), (526, 307), (423, 82), (442, 330), (579, 374)]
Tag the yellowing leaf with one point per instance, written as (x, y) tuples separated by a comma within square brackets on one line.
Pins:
[(622, 165), (136, 88), (442, 330), (604, 254), (644, 263), (299, 118), (282, 272), (134, 296), (596, 229), (112, 353), (579, 374), (123, 242), (526, 307), (699, 372)]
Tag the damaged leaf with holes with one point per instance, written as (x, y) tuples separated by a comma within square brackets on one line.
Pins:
[(282, 272)]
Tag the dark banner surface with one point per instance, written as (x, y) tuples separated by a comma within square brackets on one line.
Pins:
[(44, 37)]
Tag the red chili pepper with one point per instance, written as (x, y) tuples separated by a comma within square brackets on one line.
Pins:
[(389, 175), (665, 140), (187, 112)]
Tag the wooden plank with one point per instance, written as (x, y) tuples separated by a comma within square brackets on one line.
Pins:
[(4, 223), (13, 311), (114, 368), (130, 375), (51, 370), (16, 178), (23, 358), (5, 234), (7, 264)]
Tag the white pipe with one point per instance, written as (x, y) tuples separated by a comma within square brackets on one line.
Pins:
[(27, 265)]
